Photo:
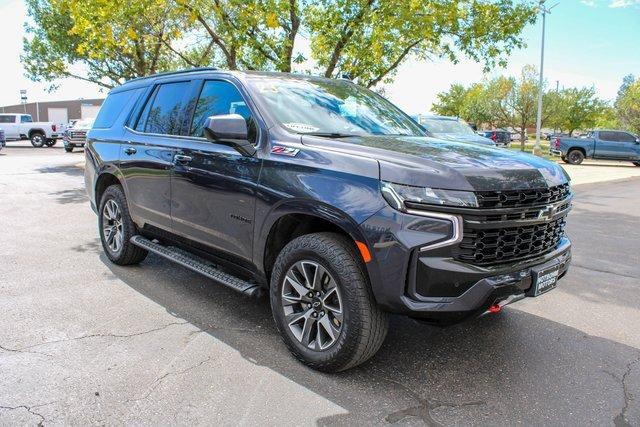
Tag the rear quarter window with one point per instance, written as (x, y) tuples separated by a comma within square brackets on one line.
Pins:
[(7, 119), (113, 107)]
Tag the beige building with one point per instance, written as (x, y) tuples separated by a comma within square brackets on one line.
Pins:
[(58, 112)]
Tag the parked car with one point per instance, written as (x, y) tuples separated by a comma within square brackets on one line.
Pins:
[(452, 129), (599, 144), (499, 137), (553, 136), (326, 196), (3, 141), (22, 127), (515, 136), (76, 135)]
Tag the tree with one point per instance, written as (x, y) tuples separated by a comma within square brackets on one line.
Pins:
[(477, 107), (99, 41), (451, 102), (628, 106), (581, 109), (514, 100), (366, 39)]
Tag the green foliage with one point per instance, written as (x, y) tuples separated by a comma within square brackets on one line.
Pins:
[(512, 102), (628, 107), (108, 41), (451, 102)]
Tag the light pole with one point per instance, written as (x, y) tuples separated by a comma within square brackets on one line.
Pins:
[(537, 149)]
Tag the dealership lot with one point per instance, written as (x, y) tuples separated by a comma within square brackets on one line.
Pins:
[(83, 341)]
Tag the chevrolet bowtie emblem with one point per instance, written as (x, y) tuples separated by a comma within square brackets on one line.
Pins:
[(547, 212)]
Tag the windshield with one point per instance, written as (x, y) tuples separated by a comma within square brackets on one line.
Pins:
[(331, 107), (446, 126), (84, 124)]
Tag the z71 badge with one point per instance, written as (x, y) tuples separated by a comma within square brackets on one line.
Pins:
[(284, 151)]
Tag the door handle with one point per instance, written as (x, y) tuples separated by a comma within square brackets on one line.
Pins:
[(180, 158), (130, 150)]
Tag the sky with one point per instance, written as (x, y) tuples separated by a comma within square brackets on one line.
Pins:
[(588, 43)]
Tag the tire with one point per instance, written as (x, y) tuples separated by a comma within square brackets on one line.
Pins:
[(68, 149), (564, 159), (360, 327), (575, 157), (37, 139), (50, 142), (117, 246), (636, 163)]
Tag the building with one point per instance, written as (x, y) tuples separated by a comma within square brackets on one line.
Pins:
[(59, 112)]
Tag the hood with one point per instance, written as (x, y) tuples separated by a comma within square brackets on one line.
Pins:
[(436, 163), (473, 138)]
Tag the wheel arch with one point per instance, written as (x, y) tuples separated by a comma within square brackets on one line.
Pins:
[(581, 149), (104, 181), (36, 130), (297, 218)]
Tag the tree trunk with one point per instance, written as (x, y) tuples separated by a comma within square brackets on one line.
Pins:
[(522, 140)]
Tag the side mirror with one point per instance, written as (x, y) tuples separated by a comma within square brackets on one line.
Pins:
[(231, 130)]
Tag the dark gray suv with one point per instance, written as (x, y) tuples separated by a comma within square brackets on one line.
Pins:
[(325, 196)]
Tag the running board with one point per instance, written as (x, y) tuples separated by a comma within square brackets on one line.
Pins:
[(198, 265)]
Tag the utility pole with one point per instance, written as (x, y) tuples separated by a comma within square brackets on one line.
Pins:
[(537, 149)]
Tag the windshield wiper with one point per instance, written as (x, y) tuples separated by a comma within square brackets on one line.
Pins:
[(331, 134)]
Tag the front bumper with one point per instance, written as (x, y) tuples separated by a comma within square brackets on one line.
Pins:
[(415, 272)]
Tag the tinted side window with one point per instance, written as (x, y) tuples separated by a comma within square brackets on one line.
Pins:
[(162, 113), (111, 109), (218, 98), (26, 119), (625, 137), (608, 136), (7, 119)]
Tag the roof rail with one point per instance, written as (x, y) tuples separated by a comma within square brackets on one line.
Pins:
[(171, 73)]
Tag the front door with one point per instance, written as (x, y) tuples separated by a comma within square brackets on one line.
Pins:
[(213, 186), (147, 153)]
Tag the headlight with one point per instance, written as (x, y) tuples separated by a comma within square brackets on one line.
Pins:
[(397, 194)]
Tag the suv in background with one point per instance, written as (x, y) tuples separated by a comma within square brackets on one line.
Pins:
[(326, 196), (452, 129), (3, 141), (500, 137), (21, 127), (76, 135)]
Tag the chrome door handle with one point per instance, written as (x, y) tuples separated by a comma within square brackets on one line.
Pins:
[(179, 158), (130, 150)]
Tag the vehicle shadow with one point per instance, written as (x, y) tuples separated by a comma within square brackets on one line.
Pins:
[(77, 195), (70, 170), (509, 368)]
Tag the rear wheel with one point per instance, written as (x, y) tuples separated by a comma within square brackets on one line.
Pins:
[(116, 228), (636, 163), (50, 142), (575, 157), (68, 149), (323, 305), (37, 139)]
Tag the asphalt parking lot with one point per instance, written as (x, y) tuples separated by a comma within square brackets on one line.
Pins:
[(83, 341)]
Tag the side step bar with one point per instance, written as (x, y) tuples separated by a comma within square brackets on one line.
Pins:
[(198, 265)]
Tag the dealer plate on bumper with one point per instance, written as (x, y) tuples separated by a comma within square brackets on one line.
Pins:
[(544, 280)]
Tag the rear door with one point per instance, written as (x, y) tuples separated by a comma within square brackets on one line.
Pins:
[(146, 156), (615, 145), (213, 186)]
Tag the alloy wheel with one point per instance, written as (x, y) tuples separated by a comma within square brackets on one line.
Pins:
[(312, 305), (112, 225)]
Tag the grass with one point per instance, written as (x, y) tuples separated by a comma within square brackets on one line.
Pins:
[(528, 148)]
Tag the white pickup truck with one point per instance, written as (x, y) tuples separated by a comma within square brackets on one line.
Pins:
[(21, 127)]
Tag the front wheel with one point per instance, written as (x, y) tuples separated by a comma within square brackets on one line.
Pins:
[(116, 228), (323, 305), (575, 157), (37, 139)]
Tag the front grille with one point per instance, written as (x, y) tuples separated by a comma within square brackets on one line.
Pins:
[(500, 245), (78, 135), (522, 198)]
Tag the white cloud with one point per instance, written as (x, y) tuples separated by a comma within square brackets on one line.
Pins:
[(590, 3), (623, 3)]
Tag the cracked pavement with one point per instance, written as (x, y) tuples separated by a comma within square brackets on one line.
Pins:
[(83, 341)]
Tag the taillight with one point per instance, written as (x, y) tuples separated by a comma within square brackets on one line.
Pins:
[(494, 137), (556, 143), (53, 127)]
